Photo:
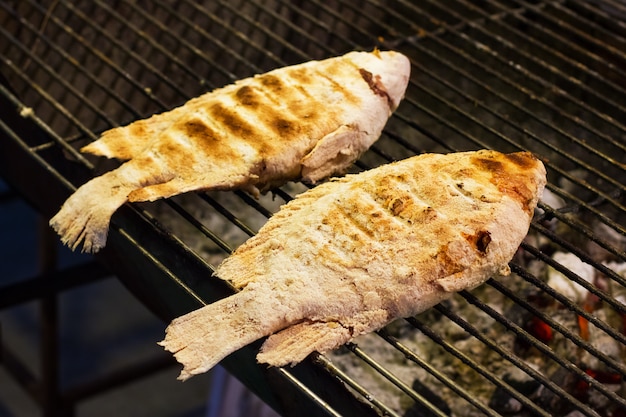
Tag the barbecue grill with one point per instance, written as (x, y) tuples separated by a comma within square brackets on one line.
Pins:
[(544, 76)]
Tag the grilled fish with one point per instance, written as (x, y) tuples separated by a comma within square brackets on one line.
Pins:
[(303, 122), (351, 255)]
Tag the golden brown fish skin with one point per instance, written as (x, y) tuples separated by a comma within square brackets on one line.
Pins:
[(286, 99), (352, 254), (304, 122)]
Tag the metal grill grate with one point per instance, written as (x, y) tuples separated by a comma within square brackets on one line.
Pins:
[(544, 76)]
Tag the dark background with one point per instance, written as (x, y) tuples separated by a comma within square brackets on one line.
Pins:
[(102, 328)]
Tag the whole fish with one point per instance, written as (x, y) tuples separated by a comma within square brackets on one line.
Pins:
[(303, 122), (351, 255)]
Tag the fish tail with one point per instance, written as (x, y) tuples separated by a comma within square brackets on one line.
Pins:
[(202, 338), (85, 216)]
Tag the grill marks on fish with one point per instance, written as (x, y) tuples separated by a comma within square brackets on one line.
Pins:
[(398, 195), (372, 215), (255, 120), (274, 111), (394, 207), (199, 128), (233, 121)]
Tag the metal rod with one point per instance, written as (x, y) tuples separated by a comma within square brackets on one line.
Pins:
[(546, 350), (140, 34), (228, 215), (39, 123), (201, 31), (199, 226), (576, 120), (446, 121), (561, 61), (443, 378), (585, 258), (42, 285), (71, 61), (310, 394), (122, 46), (462, 70), (117, 378), (486, 373), (330, 367), (619, 367), (423, 402), (538, 376), (101, 57), (51, 401), (581, 228)]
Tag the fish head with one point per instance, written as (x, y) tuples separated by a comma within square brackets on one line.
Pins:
[(386, 72)]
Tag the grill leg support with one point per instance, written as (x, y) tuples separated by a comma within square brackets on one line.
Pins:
[(53, 399)]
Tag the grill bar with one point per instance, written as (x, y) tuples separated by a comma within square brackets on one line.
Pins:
[(556, 326), (228, 215), (310, 394), (198, 225), (564, 62), (210, 38), (354, 348), (546, 350), (118, 71), (543, 67), (525, 38), (577, 38), (66, 85), (573, 249), (154, 44), (122, 46), (581, 228), (412, 356), (466, 75), (544, 76), (101, 57), (41, 125), (481, 143), (564, 173), (511, 357), (59, 108), (466, 360), (323, 360)]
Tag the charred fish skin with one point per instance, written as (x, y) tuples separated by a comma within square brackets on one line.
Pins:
[(355, 253), (304, 122)]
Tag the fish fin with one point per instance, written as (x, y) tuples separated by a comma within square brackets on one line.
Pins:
[(296, 342), (127, 142), (215, 179), (452, 283), (460, 281), (119, 143), (332, 152)]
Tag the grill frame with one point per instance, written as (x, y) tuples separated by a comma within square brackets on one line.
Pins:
[(161, 263)]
